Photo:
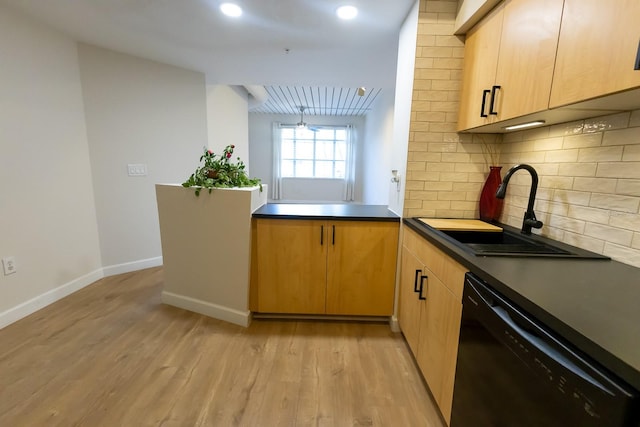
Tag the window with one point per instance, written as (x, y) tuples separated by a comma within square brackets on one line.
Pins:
[(313, 162), (313, 152)]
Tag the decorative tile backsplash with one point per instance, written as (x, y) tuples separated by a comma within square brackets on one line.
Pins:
[(589, 193)]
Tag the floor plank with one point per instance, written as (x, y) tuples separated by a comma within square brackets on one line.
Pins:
[(113, 355)]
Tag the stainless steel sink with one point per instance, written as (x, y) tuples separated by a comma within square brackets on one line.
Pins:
[(512, 243)]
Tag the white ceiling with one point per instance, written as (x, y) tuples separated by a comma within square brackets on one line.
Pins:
[(323, 51)]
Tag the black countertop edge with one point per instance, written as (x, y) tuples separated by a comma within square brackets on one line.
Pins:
[(609, 361), (343, 212)]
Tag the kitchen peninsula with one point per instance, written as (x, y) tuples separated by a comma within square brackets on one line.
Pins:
[(329, 259)]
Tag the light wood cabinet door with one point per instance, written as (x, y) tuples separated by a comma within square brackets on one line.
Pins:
[(481, 51), (597, 50), (438, 341), (410, 306), (528, 47), (361, 267), (292, 259)]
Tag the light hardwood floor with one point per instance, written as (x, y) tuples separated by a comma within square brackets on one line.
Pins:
[(113, 355)]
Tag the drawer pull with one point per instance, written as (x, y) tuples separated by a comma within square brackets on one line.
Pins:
[(333, 235), (493, 100), (321, 235), (422, 287), (484, 102), (637, 67)]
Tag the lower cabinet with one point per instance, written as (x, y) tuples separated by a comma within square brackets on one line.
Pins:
[(430, 311), (307, 266)]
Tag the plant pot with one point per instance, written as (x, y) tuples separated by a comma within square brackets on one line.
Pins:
[(490, 205)]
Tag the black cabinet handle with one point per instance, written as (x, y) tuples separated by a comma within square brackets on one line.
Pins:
[(422, 287), (333, 235), (321, 235), (484, 102), (493, 100), (637, 67), (415, 281)]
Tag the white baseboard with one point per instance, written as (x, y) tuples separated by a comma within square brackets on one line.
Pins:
[(127, 267), (393, 324), (34, 304), (237, 317)]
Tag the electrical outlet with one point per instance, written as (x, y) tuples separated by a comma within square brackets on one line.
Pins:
[(137, 169), (9, 265)]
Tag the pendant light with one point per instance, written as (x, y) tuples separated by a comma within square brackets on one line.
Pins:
[(301, 124)]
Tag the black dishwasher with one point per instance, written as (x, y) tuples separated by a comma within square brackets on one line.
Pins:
[(514, 372)]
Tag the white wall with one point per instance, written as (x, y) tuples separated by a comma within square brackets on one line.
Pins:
[(47, 214), (228, 120), (378, 150), (138, 111), (261, 157), (402, 110)]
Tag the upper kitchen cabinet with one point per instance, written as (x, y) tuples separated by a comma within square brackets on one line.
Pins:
[(480, 58), (509, 62), (598, 50)]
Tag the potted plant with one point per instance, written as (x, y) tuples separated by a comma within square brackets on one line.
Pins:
[(219, 171)]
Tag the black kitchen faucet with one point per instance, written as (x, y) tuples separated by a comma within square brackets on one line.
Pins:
[(530, 221)]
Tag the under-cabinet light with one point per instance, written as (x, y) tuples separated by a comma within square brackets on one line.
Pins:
[(231, 9), (347, 12), (525, 125)]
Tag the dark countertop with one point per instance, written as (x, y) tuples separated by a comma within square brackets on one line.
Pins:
[(593, 304), (347, 212)]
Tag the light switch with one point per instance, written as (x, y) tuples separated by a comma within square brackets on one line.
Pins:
[(137, 169)]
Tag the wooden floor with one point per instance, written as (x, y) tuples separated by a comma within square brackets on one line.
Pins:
[(113, 355)]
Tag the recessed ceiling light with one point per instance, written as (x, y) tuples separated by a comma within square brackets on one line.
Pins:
[(347, 12), (231, 9)]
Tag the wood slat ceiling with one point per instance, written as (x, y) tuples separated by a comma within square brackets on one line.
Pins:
[(317, 100)]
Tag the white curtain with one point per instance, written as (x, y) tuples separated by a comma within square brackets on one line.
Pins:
[(276, 186), (350, 169)]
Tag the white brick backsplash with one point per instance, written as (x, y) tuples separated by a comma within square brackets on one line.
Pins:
[(616, 203), (577, 169), (440, 167), (635, 118), (613, 121), (535, 134), (581, 241), (622, 137), (583, 140), (551, 207), (623, 254), (452, 195), (566, 129), (438, 186), (532, 157), (572, 197), (568, 224), (630, 187), (561, 156), (600, 154), (596, 185), (625, 220), (561, 182), (610, 234), (467, 186), (619, 170), (548, 144), (631, 153), (584, 213), (635, 243)]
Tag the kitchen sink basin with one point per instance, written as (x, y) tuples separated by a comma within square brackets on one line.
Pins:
[(513, 243)]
